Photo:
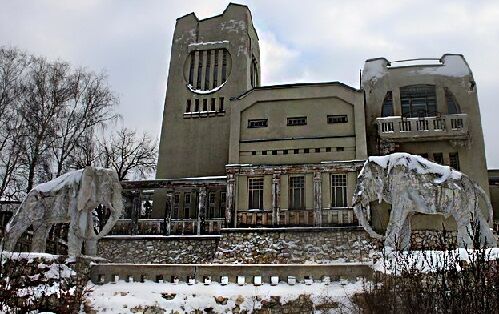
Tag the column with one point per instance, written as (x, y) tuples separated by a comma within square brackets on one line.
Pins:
[(276, 196), (201, 209), (167, 218), (135, 213), (230, 198), (317, 198)]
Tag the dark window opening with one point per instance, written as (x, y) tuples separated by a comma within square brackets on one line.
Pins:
[(296, 151), (191, 68), (317, 150), (207, 73), (215, 70), (328, 149), (264, 152), (257, 123), (212, 104), (224, 65), (340, 149), (200, 68), (196, 105), (418, 101), (274, 152), (424, 155), (387, 109), (337, 119), (454, 160), (306, 151), (285, 152), (188, 106), (253, 153), (452, 105), (438, 158), (297, 121), (205, 104), (221, 104)]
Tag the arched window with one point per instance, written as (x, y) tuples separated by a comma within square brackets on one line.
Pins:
[(418, 101), (452, 105), (254, 73), (387, 109)]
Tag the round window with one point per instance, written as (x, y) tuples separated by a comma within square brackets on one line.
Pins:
[(206, 71)]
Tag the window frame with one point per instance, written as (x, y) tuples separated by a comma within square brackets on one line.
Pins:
[(296, 121), (341, 118), (258, 123), (339, 201), (255, 193), (296, 189)]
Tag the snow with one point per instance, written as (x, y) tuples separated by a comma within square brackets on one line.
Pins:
[(205, 178), (374, 70), (207, 43), (122, 296), (58, 183), (394, 262), (205, 92), (452, 65), (416, 163), (30, 256)]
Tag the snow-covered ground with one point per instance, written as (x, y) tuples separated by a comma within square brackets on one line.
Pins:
[(122, 296)]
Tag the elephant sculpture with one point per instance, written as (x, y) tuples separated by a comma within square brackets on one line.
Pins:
[(412, 184), (70, 198)]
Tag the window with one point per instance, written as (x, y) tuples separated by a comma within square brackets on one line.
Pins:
[(187, 205), (196, 105), (387, 109), (264, 152), (452, 105), (255, 189), (188, 107), (317, 150), (221, 104), (306, 151), (296, 151), (254, 73), (438, 158), (424, 155), (418, 101), (285, 152), (205, 104), (257, 123), (297, 121), (338, 190), (223, 200), (176, 205), (454, 160), (253, 153), (340, 149), (337, 119), (297, 192), (212, 209), (274, 152), (328, 149)]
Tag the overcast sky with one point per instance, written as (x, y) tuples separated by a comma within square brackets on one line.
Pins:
[(301, 41)]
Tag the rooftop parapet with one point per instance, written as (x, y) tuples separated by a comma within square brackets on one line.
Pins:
[(450, 65)]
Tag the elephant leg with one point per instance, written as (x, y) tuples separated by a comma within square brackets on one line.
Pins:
[(464, 227), (91, 247), (75, 241), (405, 234), (16, 230), (396, 227), (40, 234)]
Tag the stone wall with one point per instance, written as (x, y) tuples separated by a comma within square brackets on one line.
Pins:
[(158, 249), (294, 245), (433, 239)]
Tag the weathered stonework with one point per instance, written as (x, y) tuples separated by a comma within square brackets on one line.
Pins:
[(158, 249), (294, 245), (432, 239)]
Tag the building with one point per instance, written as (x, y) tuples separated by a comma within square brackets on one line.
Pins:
[(240, 154)]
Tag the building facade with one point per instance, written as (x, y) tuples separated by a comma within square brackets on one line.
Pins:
[(289, 155)]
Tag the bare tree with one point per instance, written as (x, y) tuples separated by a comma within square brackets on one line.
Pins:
[(130, 154), (90, 104), (13, 65)]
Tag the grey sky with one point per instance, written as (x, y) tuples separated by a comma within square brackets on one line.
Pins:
[(301, 41)]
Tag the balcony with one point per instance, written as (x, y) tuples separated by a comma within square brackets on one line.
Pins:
[(446, 127)]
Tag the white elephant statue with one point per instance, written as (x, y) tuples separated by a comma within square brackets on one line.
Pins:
[(412, 184), (70, 198)]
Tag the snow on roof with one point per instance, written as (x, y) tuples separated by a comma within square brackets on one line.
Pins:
[(58, 183), (205, 178), (452, 65), (374, 69), (416, 163)]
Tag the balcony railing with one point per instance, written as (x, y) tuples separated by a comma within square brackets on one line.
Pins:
[(454, 126)]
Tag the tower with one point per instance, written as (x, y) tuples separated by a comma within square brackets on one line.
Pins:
[(212, 60)]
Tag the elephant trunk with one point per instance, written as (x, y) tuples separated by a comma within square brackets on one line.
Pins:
[(361, 216), (116, 209)]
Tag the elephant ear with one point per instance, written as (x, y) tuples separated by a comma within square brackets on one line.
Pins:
[(87, 188)]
